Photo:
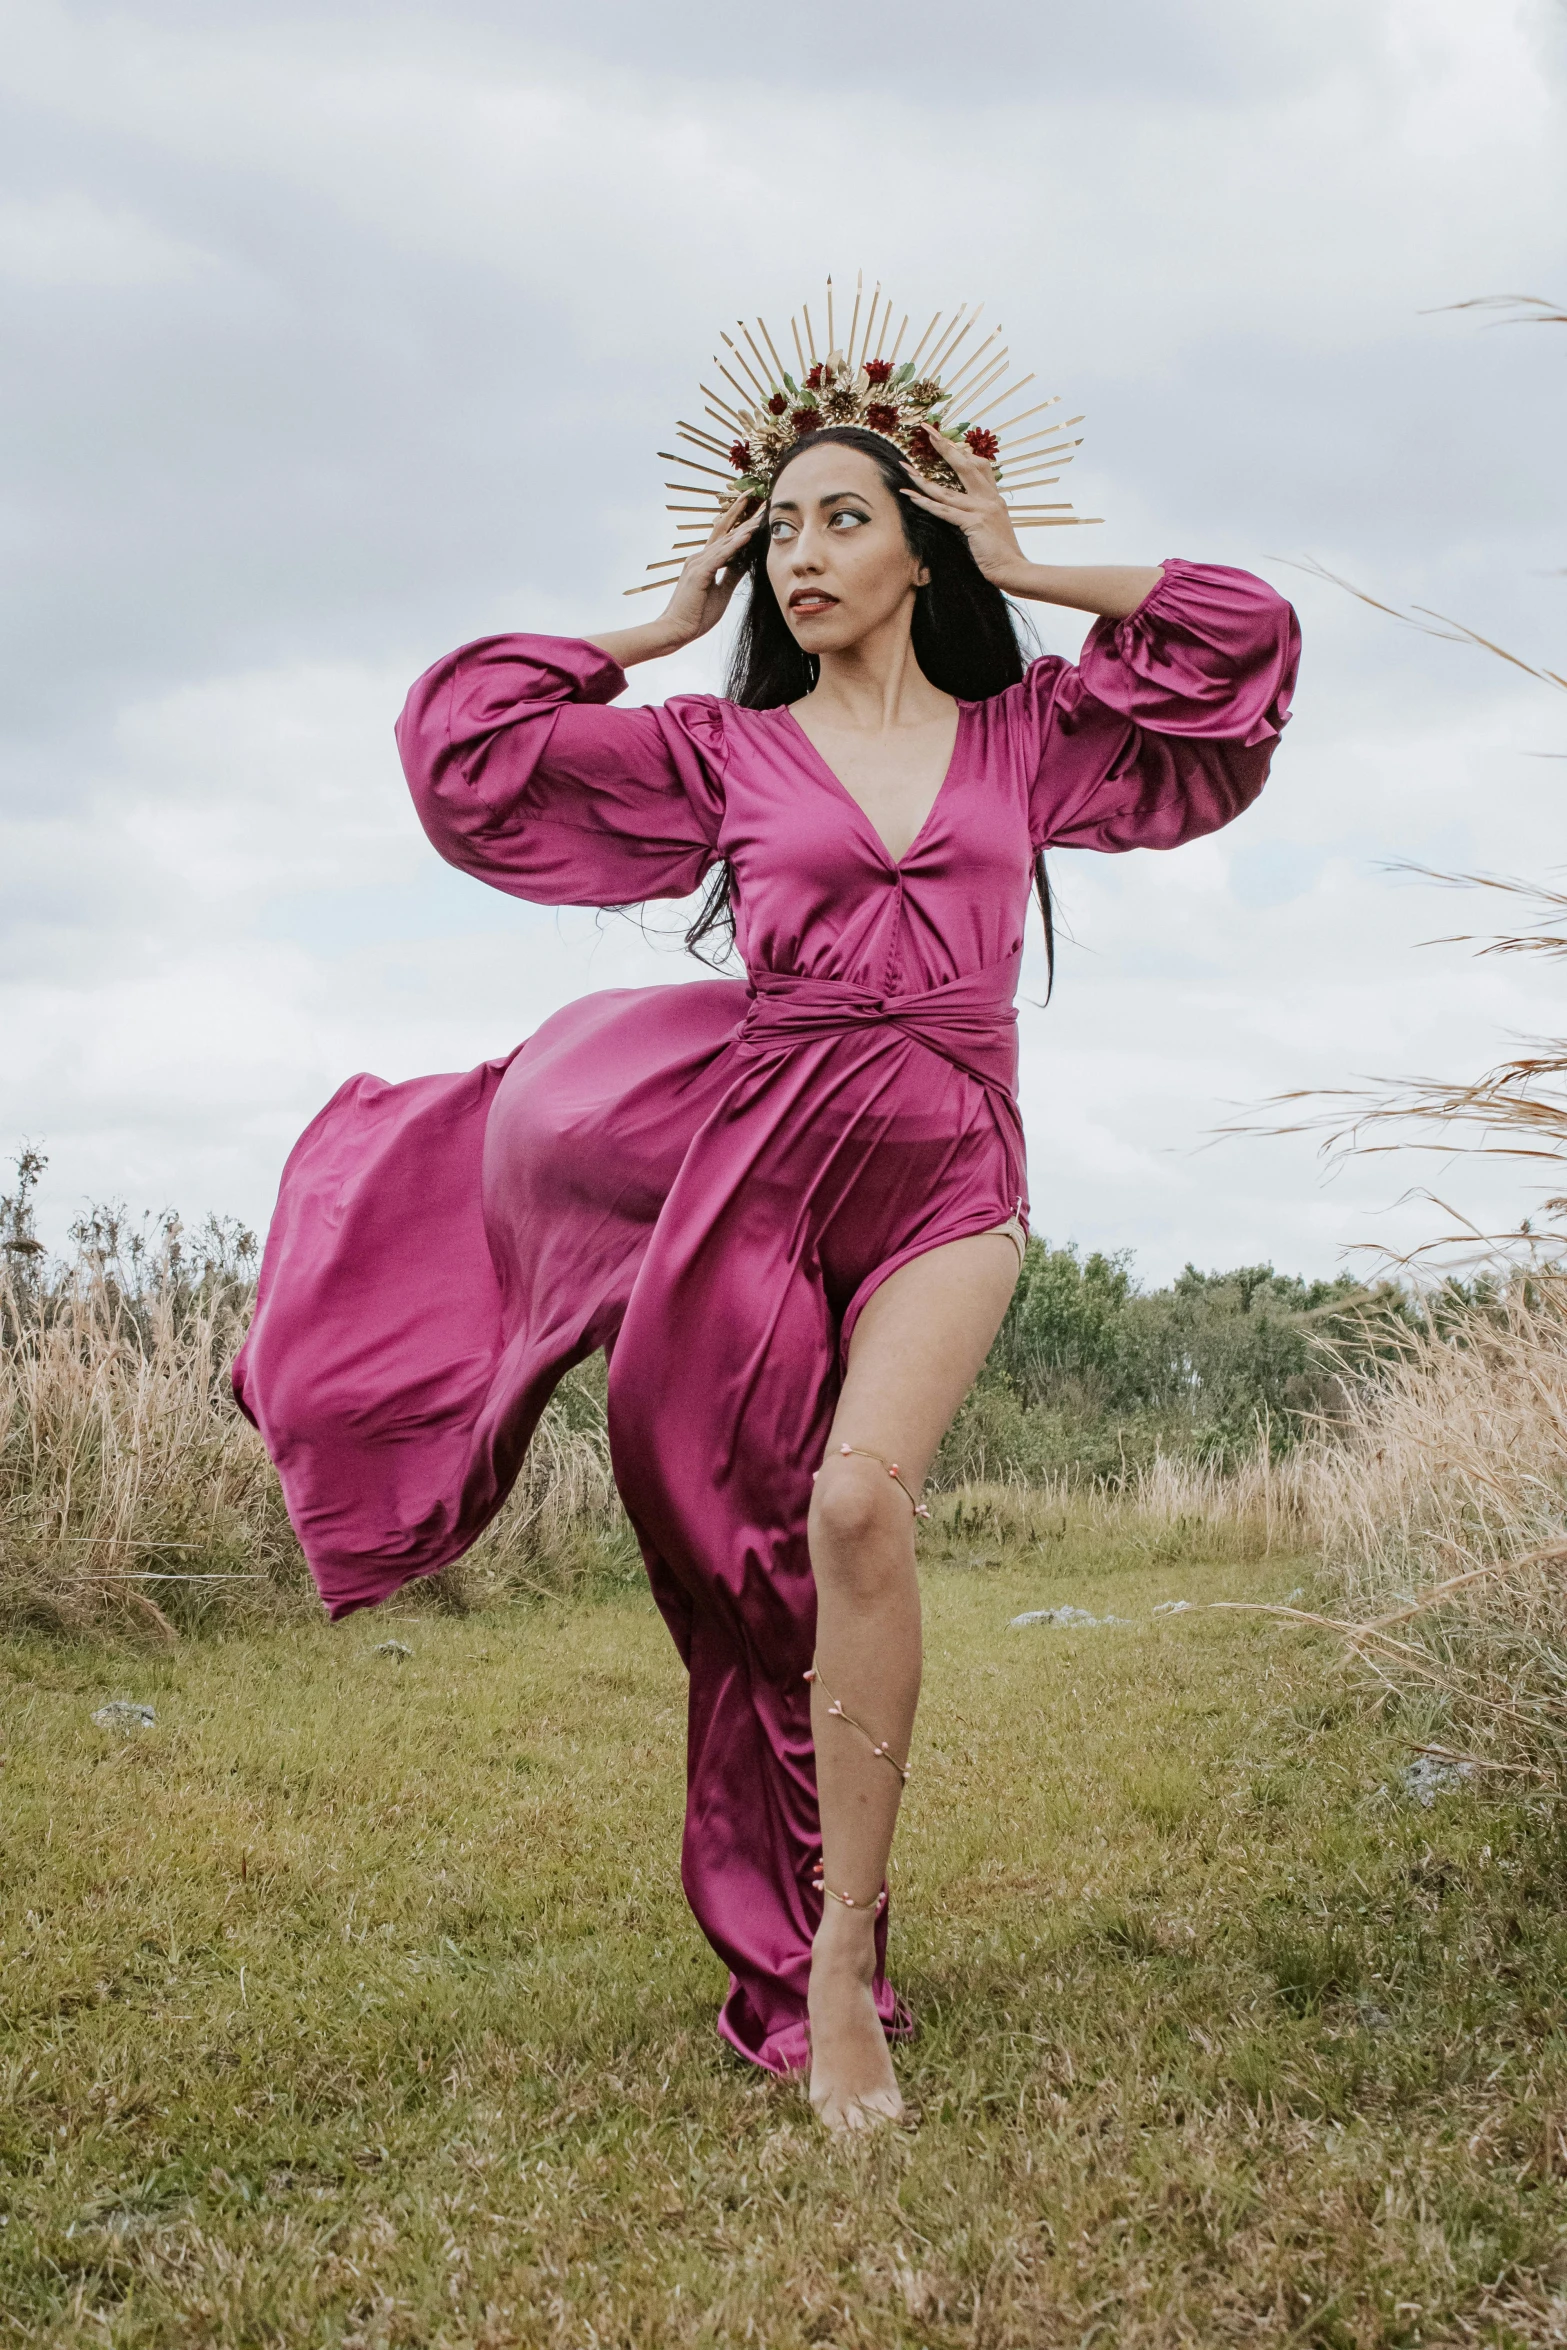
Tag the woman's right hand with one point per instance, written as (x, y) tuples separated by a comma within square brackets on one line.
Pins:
[(701, 597)]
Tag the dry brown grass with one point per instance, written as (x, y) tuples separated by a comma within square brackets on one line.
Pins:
[(1442, 1498), (1442, 1504), (131, 1491), (134, 1496), (1171, 1507), (1454, 1458), (1515, 1110), (1436, 1498)]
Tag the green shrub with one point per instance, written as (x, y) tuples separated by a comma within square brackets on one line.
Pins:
[(1091, 1376)]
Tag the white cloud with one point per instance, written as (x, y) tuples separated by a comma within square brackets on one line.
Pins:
[(348, 333), (67, 240)]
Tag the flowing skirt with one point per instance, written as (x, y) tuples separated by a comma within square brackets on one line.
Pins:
[(709, 1202)]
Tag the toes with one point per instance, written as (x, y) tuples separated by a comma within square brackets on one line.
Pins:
[(852, 2117), (843, 2113)]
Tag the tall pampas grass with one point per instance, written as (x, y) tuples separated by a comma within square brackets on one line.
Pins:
[(1441, 1506)]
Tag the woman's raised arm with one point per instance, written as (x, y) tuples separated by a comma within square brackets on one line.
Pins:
[(700, 599), (1165, 727), (1113, 590), (522, 777)]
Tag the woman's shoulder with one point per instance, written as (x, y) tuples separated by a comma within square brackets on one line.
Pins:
[(1040, 677), (714, 718), (723, 708), (700, 716)]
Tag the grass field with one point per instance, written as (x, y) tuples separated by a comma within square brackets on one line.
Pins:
[(356, 2002)]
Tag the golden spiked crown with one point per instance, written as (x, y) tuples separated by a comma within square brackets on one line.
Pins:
[(763, 418)]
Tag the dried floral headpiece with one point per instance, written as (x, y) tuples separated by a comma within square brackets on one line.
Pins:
[(937, 385)]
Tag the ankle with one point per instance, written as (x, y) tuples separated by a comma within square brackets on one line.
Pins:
[(847, 1938)]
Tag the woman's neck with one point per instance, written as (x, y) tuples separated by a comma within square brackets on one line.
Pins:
[(876, 685)]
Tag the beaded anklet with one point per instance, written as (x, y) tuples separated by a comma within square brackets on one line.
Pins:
[(820, 1885), (894, 1472), (884, 1751)]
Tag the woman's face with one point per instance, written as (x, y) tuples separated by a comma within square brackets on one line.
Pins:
[(837, 558)]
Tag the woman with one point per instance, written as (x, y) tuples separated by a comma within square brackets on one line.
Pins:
[(792, 1210)]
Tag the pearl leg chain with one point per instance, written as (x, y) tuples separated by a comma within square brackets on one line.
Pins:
[(878, 1747)]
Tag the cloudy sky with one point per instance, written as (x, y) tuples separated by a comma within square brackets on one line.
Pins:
[(337, 333)]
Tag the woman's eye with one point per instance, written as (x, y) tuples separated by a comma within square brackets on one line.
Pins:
[(779, 530), (845, 514)]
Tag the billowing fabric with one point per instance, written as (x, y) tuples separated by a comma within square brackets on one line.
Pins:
[(708, 1180)]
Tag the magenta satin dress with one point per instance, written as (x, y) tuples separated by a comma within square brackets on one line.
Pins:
[(709, 1179)]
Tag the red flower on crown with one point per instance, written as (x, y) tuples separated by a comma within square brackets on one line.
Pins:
[(881, 418), (806, 420), (984, 444), (922, 447), (777, 404), (813, 382), (740, 456), (879, 370)]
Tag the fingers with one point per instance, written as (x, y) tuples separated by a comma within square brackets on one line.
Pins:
[(956, 452), (723, 545), (734, 518), (938, 490), (703, 589), (976, 477), (974, 472), (947, 505)]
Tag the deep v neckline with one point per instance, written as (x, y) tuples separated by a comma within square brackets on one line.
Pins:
[(843, 791)]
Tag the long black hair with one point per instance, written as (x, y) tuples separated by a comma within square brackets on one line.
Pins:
[(964, 634)]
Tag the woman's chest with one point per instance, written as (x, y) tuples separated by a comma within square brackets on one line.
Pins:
[(894, 778), (791, 822), (814, 875)]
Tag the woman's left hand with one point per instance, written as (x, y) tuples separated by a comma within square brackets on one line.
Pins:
[(977, 508)]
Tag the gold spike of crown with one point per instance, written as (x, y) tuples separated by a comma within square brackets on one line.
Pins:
[(765, 412)]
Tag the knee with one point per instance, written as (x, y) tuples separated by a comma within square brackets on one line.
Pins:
[(858, 1517)]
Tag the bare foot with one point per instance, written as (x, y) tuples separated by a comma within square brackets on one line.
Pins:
[(853, 2086)]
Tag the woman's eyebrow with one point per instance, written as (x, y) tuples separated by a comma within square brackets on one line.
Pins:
[(828, 498)]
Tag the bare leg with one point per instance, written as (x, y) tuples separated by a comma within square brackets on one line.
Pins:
[(916, 1349)]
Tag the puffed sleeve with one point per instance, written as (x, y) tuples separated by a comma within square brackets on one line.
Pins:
[(522, 777), (1166, 727)]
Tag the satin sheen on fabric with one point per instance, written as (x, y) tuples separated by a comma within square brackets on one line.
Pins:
[(708, 1179)]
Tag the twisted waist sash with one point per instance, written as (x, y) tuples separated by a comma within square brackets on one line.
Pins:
[(970, 1021)]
